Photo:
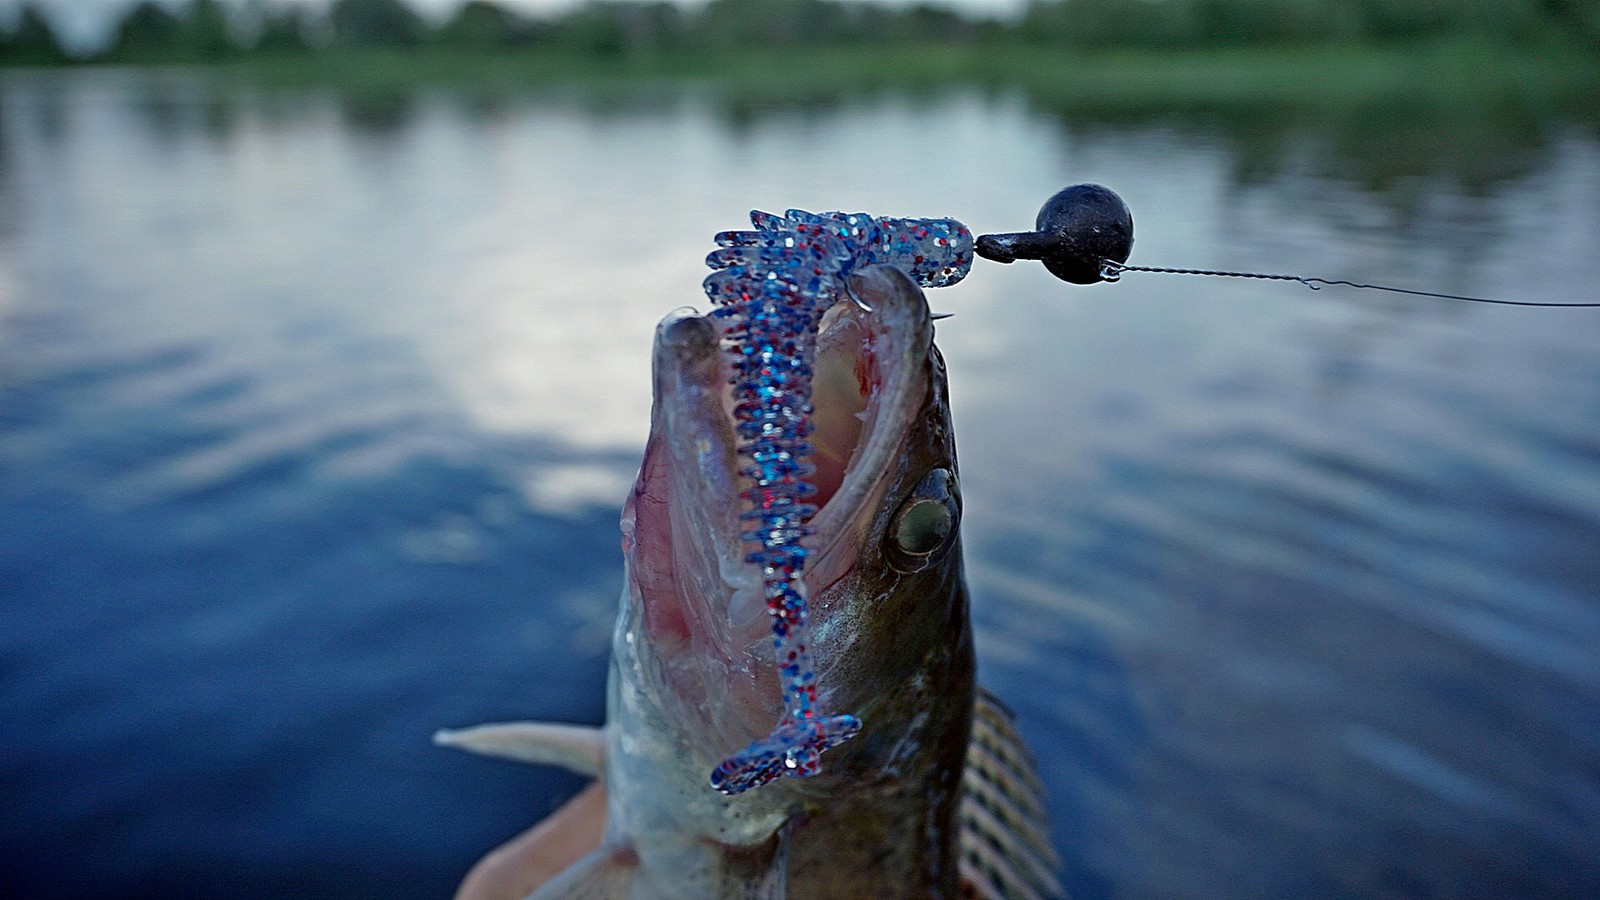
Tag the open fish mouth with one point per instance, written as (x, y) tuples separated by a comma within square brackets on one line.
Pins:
[(682, 527)]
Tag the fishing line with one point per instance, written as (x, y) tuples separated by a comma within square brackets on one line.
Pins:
[(1111, 270), (1084, 234)]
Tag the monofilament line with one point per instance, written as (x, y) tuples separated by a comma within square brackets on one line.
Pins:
[(1111, 270)]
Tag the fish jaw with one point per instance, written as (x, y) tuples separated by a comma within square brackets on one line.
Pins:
[(680, 536), (693, 676)]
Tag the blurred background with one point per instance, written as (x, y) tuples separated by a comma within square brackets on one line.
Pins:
[(324, 340)]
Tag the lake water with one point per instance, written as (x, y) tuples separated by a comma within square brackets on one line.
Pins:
[(316, 413)]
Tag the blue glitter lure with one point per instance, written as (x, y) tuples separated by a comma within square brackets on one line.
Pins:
[(774, 284)]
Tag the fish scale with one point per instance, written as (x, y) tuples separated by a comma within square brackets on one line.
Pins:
[(774, 284)]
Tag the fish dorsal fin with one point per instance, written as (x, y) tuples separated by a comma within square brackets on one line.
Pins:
[(1005, 845), (605, 874), (580, 748)]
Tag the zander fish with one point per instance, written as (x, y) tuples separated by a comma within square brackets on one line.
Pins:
[(936, 796)]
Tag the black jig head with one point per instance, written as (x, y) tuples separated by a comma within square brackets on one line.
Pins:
[(1077, 231)]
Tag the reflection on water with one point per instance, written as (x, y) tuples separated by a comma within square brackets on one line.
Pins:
[(316, 411)]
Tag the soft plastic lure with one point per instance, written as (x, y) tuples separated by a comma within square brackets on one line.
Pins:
[(774, 284)]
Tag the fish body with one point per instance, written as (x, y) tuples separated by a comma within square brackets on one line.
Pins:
[(935, 796)]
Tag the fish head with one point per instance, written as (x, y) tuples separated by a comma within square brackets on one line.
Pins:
[(694, 677)]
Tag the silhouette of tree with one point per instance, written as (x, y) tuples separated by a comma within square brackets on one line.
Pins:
[(31, 42), (610, 29), (653, 26), (148, 32), (374, 23), (481, 24), (922, 22), (206, 32), (755, 23), (1581, 18), (279, 31), (590, 31)]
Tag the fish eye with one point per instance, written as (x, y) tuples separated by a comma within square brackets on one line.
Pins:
[(925, 523), (924, 526)]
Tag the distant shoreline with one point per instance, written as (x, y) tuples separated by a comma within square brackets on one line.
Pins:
[(1445, 73)]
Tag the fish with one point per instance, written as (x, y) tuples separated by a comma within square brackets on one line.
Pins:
[(937, 795)]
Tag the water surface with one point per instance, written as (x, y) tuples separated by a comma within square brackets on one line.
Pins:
[(316, 413)]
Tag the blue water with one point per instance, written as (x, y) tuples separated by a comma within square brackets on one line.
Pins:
[(316, 413)]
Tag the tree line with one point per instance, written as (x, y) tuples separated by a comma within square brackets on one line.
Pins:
[(218, 30)]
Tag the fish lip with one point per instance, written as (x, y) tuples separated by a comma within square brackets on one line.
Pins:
[(690, 476), (693, 426)]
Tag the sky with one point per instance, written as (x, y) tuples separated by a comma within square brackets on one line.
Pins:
[(85, 23)]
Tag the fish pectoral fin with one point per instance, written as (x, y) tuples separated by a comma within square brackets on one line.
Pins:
[(605, 874), (581, 748)]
